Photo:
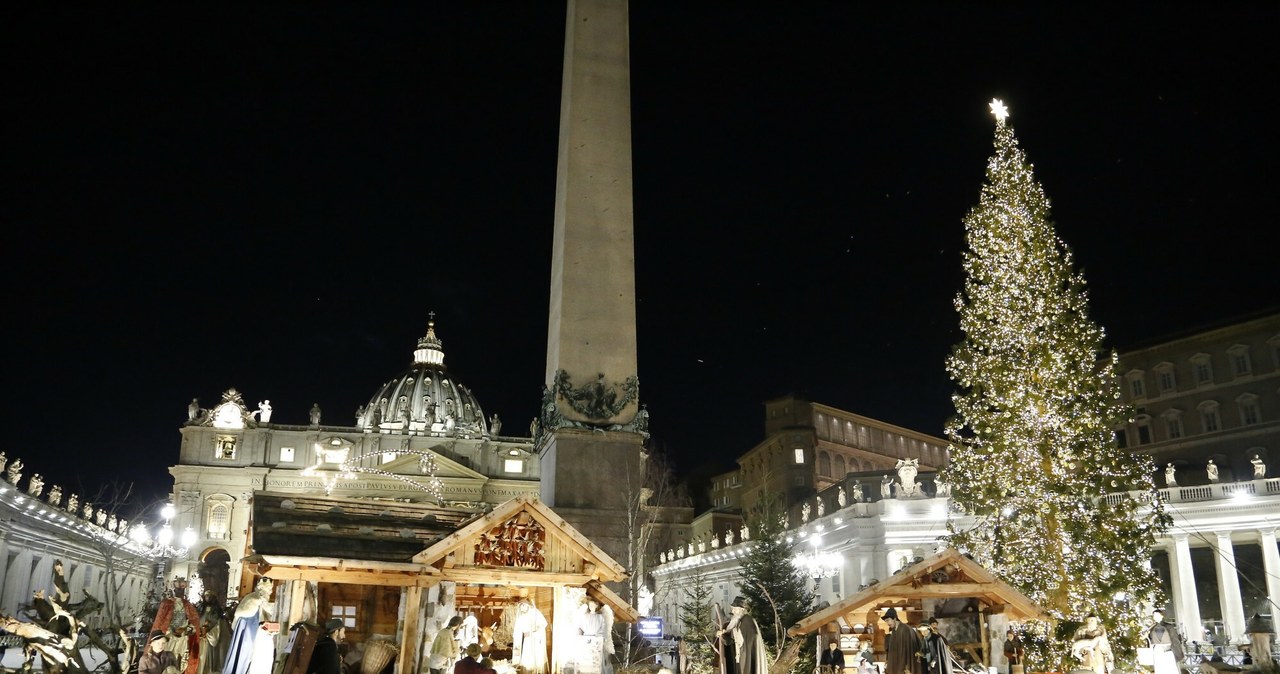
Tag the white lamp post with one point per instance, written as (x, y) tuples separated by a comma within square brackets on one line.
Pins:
[(818, 564)]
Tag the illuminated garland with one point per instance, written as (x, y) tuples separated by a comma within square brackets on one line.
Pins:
[(348, 467)]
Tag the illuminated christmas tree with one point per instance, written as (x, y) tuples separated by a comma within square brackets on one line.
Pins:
[(1051, 504)]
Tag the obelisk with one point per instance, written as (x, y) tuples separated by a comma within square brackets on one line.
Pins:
[(590, 437)]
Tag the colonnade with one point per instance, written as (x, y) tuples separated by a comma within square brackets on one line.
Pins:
[(1186, 602), (25, 571)]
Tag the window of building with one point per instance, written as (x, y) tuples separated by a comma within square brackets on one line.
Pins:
[(1202, 369), (225, 447), (286, 455), (1144, 429), (1137, 386), (1274, 343), (798, 480), (1239, 357), (1209, 419), (1165, 377), (840, 466), (513, 465), (1173, 424), (1122, 438), (824, 463), (218, 517), (799, 451), (345, 613), (1249, 414)]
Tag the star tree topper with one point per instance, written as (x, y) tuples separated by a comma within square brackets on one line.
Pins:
[(998, 109)]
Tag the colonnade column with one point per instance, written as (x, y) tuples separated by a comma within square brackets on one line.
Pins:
[(1229, 587), (1271, 567), (1185, 602)]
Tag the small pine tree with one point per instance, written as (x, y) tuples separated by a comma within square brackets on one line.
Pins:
[(699, 626), (778, 594), (1034, 464)]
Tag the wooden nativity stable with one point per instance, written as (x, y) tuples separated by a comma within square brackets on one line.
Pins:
[(397, 571), (969, 602)]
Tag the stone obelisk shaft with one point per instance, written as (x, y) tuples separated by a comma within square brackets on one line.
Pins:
[(590, 466), (592, 326)]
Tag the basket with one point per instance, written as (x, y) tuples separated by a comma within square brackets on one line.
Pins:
[(377, 655)]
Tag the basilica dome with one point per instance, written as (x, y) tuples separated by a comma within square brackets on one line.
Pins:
[(424, 400)]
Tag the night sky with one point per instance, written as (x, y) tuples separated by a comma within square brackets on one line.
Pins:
[(272, 197)]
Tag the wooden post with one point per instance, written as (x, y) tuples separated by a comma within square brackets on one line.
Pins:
[(405, 662), (297, 596), (985, 634)]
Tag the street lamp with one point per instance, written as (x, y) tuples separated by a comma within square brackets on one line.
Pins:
[(818, 564), (161, 545)]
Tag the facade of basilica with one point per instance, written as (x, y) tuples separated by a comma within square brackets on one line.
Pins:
[(422, 437)]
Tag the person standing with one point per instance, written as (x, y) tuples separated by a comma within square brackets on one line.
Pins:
[(470, 663), (444, 650), (832, 661), (936, 650), (597, 642), (214, 635), (156, 659), (1092, 647), (248, 622), (748, 645), (325, 658), (902, 646), (1013, 650), (529, 638), (1165, 644), (178, 619)]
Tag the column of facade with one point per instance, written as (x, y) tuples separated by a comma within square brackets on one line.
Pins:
[(16, 589), (1185, 602), (4, 568), (1229, 587), (1271, 567)]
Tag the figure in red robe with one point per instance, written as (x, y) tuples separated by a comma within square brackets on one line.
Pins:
[(178, 619)]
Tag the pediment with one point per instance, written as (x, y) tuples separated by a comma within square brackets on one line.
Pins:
[(408, 464), (948, 574), (522, 538)]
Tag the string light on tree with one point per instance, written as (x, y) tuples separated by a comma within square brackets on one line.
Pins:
[(1034, 464)]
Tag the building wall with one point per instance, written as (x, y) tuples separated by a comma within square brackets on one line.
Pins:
[(809, 447), (1213, 394), (219, 469)]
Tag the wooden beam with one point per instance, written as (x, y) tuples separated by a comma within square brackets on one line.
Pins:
[(468, 574), (976, 590), (349, 577)]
